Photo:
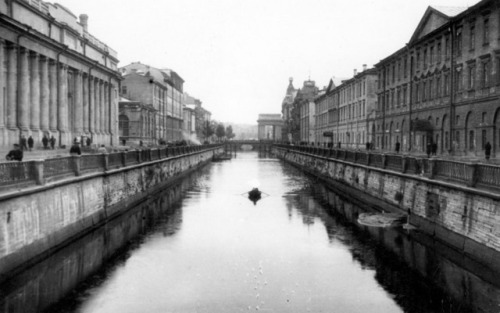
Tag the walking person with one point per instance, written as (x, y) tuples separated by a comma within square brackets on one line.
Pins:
[(75, 149), (45, 142), (428, 150), (52, 142), (434, 148), (30, 143), (23, 143), (487, 150)]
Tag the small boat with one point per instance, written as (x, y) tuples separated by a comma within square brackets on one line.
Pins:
[(254, 195), (382, 219), (222, 157)]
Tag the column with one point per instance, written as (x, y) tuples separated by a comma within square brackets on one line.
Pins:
[(62, 116), (53, 97), (101, 107), (3, 118), (23, 106), (91, 114), (44, 94), (106, 109), (78, 111), (98, 87), (35, 95), (12, 94), (85, 102)]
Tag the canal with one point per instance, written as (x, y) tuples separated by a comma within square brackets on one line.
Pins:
[(203, 246)]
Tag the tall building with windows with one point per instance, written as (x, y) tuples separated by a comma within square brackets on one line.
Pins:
[(443, 87), (345, 112), (56, 79), (162, 89)]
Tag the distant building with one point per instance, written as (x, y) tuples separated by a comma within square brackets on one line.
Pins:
[(303, 104), (351, 108), (290, 123), (189, 124), (270, 127), (56, 79), (136, 122), (202, 117), (163, 90)]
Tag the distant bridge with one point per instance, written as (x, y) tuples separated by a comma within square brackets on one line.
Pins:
[(241, 145)]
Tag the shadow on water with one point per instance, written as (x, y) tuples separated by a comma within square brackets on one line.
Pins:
[(55, 284), (420, 274)]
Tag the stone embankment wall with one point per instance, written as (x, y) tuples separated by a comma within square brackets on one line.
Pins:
[(37, 220), (465, 218)]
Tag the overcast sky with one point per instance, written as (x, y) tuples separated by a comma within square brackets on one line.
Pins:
[(237, 56)]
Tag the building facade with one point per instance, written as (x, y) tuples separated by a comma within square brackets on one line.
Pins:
[(163, 90), (136, 122), (56, 79), (443, 88), (303, 113), (202, 118), (290, 124)]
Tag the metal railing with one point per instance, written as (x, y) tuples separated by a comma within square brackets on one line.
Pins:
[(468, 173), (41, 171)]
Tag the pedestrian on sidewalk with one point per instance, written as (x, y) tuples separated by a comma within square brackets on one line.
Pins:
[(45, 142), (23, 143), (52, 142), (434, 148), (487, 150), (16, 154), (75, 149), (30, 143), (428, 150)]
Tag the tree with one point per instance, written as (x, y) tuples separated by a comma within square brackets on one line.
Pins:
[(220, 132), (207, 130), (229, 132)]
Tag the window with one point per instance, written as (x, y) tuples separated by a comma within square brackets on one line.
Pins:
[(460, 80), (483, 119), (471, 78), (438, 87), (471, 140), (438, 53), (425, 57), (447, 47), (485, 74), (446, 84), (124, 90), (431, 54), (483, 138), (459, 41), (472, 37), (418, 60), (486, 31)]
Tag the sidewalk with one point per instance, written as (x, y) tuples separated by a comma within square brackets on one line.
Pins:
[(36, 154)]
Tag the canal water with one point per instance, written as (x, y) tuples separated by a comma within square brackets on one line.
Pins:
[(203, 246)]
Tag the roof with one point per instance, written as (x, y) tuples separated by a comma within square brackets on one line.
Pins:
[(450, 11)]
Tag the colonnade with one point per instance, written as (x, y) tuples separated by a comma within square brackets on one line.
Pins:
[(41, 96)]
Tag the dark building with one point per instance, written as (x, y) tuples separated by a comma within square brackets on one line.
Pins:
[(443, 87)]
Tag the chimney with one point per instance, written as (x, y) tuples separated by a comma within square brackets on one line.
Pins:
[(355, 72), (84, 21), (364, 67)]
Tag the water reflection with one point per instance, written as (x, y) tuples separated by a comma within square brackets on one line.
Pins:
[(203, 247)]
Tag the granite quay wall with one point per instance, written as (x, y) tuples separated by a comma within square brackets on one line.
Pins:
[(64, 198), (455, 203)]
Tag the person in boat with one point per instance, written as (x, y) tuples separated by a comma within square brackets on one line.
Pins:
[(254, 195)]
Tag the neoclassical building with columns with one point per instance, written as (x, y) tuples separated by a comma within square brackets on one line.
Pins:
[(56, 79)]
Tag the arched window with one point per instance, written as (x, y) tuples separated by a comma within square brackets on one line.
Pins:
[(123, 125)]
